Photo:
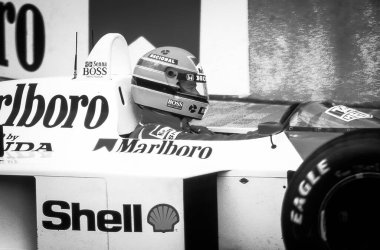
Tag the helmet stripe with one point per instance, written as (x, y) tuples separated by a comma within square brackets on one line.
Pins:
[(151, 65), (160, 64)]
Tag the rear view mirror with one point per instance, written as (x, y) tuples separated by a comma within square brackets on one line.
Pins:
[(270, 128)]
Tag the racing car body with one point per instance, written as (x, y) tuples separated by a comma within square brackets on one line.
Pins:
[(70, 179)]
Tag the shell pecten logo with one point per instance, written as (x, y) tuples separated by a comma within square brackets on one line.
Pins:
[(163, 218)]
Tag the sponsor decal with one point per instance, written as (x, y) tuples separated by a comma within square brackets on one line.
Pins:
[(200, 78), (164, 133), (304, 189), (165, 51), (161, 147), (163, 218), (27, 146), (193, 108), (8, 161), (174, 104), (189, 77), (95, 69), (196, 78), (10, 15), (62, 215), (67, 109), (202, 110), (16, 146), (164, 59), (69, 217), (347, 114)]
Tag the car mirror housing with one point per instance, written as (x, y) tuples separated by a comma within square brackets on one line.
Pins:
[(270, 128)]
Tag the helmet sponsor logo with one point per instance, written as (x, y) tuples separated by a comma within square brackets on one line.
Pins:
[(164, 59), (165, 51), (163, 218), (62, 215), (347, 114), (202, 110), (193, 108), (200, 78), (161, 147), (29, 108), (95, 69), (189, 77), (195, 78), (175, 104)]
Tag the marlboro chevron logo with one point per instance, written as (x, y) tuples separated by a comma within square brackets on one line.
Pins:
[(162, 147)]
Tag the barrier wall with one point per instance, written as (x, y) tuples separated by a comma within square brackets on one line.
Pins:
[(315, 50)]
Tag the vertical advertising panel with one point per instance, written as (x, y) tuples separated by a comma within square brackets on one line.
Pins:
[(67, 218), (224, 46), (152, 211), (37, 38), (249, 213)]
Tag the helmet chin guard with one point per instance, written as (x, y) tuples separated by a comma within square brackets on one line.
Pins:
[(170, 79)]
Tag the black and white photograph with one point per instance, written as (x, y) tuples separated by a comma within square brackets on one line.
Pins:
[(190, 124)]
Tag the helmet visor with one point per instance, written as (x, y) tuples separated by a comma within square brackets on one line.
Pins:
[(193, 88), (198, 89), (193, 84)]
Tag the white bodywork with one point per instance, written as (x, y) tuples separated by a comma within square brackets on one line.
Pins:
[(81, 165)]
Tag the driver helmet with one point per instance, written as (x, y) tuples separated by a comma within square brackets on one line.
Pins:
[(171, 79)]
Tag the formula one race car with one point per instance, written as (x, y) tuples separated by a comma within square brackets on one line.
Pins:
[(68, 180)]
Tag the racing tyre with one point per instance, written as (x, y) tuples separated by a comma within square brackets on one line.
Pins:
[(332, 201)]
